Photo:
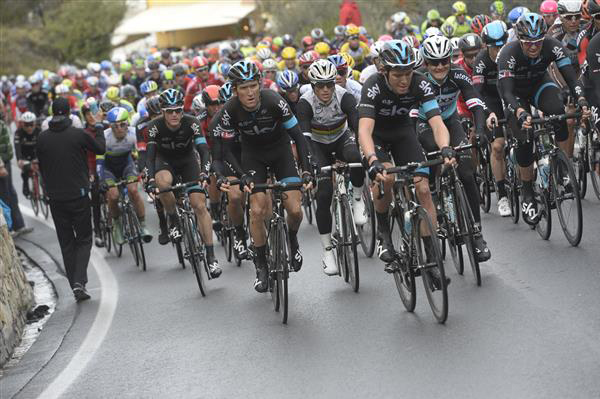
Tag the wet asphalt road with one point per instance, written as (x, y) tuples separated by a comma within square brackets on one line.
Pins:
[(530, 331)]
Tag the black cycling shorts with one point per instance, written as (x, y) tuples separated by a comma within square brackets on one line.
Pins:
[(494, 104), (403, 150), (278, 159), (186, 168)]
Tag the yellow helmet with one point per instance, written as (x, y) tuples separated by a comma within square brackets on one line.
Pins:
[(459, 8), (112, 93), (67, 82), (322, 48), (348, 59), (288, 53), (352, 30)]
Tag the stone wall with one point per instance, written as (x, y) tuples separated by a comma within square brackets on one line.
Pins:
[(16, 295)]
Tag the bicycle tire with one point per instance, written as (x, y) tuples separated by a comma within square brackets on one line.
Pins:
[(439, 310), (350, 246), (33, 194), (129, 234), (284, 273), (573, 236), (337, 237), (229, 244), (512, 190), (544, 226), (467, 230), (192, 249), (107, 231), (368, 231), (484, 184), (272, 264), (403, 277), (308, 205), (180, 256), (43, 199), (593, 154), (453, 240), (137, 233), (580, 164)]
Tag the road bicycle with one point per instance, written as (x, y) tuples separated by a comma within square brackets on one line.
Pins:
[(37, 192), (132, 230), (344, 237)]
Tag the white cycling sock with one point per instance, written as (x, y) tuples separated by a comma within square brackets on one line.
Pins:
[(357, 192), (326, 240)]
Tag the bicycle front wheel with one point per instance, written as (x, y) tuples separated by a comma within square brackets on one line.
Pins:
[(192, 250), (34, 194), (580, 162), (368, 230), (404, 276), (43, 199), (566, 195), (436, 296), (544, 226), (136, 231), (350, 246), (283, 274), (484, 179), (466, 221)]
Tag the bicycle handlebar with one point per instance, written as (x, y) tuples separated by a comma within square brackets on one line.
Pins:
[(341, 166), (552, 118), (180, 186), (459, 148), (270, 186)]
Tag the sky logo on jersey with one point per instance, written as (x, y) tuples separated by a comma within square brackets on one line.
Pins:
[(372, 92), (226, 118), (558, 52), (511, 63), (480, 67), (394, 111), (152, 132), (426, 87), (284, 108)]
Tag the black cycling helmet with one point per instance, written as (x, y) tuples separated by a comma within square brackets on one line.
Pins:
[(171, 98), (531, 26), (243, 71), (153, 105), (179, 69), (106, 105), (225, 92), (469, 41)]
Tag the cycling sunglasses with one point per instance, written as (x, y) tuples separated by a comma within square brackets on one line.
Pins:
[(532, 43), (571, 17), (470, 55), (321, 85), (121, 125), (444, 62), (28, 124), (178, 110)]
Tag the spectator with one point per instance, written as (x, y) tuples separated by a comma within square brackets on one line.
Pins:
[(61, 151), (349, 13), (7, 190)]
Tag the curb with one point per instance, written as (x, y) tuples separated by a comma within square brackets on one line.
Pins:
[(56, 328)]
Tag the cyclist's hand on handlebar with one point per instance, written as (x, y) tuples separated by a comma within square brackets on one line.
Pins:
[(585, 108), (151, 187), (449, 155), (525, 120), (204, 180), (376, 171), (307, 180), (247, 182), (103, 187), (223, 184), (491, 121)]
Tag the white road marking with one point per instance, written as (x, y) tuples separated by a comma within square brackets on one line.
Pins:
[(95, 336)]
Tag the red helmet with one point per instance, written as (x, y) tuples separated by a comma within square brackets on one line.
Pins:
[(258, 64), (210, 95), (213, 54), (385, 38), (478, 22), (199, 62), (412, 40), (308, 58), (549, 7), (307, 41)]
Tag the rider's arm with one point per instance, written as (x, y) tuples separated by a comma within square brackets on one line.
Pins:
[(17, 140), (304, 114), (95, 144), (440, 131), (290, 124), (201, 147), (593, 67), (365, 137), (151, 151), (100, 166), (472, 99), (506, 80), (563, 62), (348, 105)]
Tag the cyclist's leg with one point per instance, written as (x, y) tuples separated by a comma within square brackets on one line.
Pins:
[(164, 179), (548, 99), (25, 172), (131, 174), (385, 247), (498, 144), (214, 198), (350, 153), (322, 156), (285, 170)]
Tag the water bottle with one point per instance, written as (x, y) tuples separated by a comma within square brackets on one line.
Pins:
[(449, 202), (543, 169), (407, 222)]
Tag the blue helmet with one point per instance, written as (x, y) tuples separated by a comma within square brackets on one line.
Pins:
[(117, 114), (287, 80), (339, 61), (171, 98), (225, 92), (531, 26), (495, 34), (516, 13), (397, 54), (243, 71), (106, 64)]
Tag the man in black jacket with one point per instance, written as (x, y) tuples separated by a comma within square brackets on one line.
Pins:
[(63, 165)]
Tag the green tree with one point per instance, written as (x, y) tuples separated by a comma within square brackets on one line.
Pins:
[(42, 34)]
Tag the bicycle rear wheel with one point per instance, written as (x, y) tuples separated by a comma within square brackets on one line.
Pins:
[(307, 204), (438, 298), (368, 230), (484, 179), (466, 221), (512, 190), (273, 265), (107, 230), (136, 232), (566, 196), (180, 256), (453, 231), (580, 162), (404, 276), (283, 274), (350, 246), (43, 199)]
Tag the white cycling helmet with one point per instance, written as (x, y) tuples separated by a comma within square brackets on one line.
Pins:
[(94, 67), (322, 71), (399, 17), (263, 54), (436, 48), (455, 42), (432, 31), (198, 104), (92, 81), (375, 49), (114, 80), (418, 58), (566, 7), (269, 65), (61, 89), (28, 117)]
